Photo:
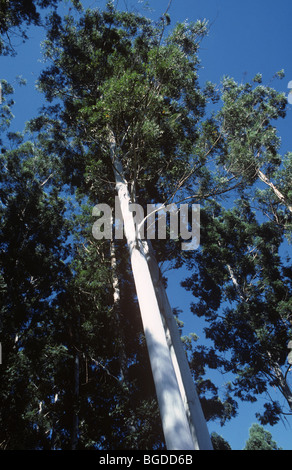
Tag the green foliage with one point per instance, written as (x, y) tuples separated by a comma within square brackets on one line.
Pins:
[(15, 17), (219, 443), (70, 324), (239, 273), (260, 439), (34, 276), (143, 89), (6, 105), (246, 121)]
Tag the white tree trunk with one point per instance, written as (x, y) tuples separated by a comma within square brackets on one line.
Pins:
[(174, 420), (193, 409)]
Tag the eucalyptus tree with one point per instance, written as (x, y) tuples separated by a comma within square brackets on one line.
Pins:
[(130, 109), (240, 270), (127, 118), (242, 287), (247, 124), (56, 375)]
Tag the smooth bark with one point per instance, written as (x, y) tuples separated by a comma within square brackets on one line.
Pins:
[(174, 420)]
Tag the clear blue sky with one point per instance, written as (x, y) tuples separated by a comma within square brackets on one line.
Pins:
[(245, 38)]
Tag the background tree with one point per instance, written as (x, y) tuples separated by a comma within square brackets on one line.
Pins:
[(127, 78), (243, 289), (246, 123), (219, 443), (260, 439), (33, 277)]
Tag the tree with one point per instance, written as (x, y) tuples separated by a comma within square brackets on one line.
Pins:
[(126, 116), (249, 151), (130, 73), (140, 93), (260, 439), (14, 14), (33, 276), (61, 369), (219, 443), (238, 272)]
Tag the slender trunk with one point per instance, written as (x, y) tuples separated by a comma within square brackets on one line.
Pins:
[(241, 295), (76, 378), (279, 195), (121, 339), (115, 280), (174, 421), (193, 409)]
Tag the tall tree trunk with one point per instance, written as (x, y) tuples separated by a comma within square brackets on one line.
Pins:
[(193, 409), (124, 378), (174, 421), (76, 377)]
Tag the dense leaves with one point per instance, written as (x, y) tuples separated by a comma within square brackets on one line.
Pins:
[(243, 288), (75, 371), (33, 275), (260, 439)]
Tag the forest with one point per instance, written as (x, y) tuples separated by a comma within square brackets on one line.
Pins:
[(81, 314)]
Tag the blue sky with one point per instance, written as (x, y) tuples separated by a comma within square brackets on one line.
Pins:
[(245, 38)]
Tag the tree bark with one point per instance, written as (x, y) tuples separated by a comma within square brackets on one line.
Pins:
[(279, 195), (282, 382), (174, 421), (193, 409)]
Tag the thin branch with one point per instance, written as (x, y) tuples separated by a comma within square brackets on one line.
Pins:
[(46, 180), (279, 195), (194, 168), (99, 364)]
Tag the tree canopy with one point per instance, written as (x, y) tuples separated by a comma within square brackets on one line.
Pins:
[(76, 372), (260, 439)]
